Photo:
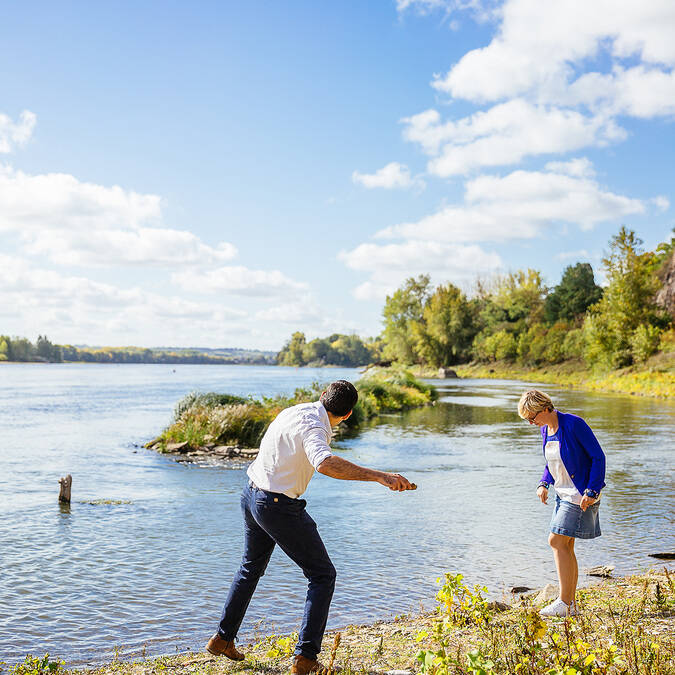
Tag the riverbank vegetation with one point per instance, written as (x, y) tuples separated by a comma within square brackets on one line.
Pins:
[(335, 350), (203, 419), (21, 349), (620, 337), (626, 625), (515, 319)]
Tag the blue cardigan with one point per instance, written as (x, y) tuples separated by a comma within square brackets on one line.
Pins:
[(580, 452)]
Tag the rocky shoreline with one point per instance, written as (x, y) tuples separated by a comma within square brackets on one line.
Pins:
[(185, 453)]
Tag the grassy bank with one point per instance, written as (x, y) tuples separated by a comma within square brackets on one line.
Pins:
[(655, 378), (204, 420), (626, 625)]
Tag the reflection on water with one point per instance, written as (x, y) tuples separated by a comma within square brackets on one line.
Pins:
[(79, 581)]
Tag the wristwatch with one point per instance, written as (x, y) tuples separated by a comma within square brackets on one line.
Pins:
[(542, 483), (591, 493)]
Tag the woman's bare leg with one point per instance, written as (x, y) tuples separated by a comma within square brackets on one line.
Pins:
[(566, 565)]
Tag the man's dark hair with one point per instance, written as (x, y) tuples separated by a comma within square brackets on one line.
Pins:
[(339, 398)]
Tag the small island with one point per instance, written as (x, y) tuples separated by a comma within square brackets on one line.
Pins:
[(224, 426)]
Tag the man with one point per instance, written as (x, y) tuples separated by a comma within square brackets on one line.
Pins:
[(296, 443)]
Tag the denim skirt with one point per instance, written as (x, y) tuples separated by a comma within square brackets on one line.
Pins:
[(570, 520)]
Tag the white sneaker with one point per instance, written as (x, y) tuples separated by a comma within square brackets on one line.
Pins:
[(556, 608)]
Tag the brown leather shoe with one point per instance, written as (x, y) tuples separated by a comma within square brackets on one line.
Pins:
[(219, 647), (302, 666)]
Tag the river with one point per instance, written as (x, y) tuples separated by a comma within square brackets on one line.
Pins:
[(149, 575)]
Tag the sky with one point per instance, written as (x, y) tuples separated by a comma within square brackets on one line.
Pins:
[(222, 174)]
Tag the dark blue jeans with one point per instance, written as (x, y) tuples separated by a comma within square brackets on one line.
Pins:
[(271, 518)]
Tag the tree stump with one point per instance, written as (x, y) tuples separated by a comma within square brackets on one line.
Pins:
[(64, 491)]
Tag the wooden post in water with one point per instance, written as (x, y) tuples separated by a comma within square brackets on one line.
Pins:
[(64, 492)]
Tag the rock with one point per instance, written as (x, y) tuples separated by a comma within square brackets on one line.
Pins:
[(447, 373), (663, 556), (497, 606), (248, 452), (222, 450), (177, 447), (549, 592), (666, 296), (600, 571), (152, 443), (519, 589)]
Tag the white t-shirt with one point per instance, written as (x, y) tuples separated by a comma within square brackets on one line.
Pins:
[(563, 485), (292, 448)]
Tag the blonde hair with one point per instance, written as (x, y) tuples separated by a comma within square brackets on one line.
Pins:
[(534, 401)]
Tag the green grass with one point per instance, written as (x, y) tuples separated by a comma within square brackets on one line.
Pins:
[(201, 419), (654, 379)]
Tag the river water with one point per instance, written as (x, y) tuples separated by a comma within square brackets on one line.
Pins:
[(149, 576)]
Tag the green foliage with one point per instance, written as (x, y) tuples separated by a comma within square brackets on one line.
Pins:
[(223, 419), (21, 349), (36, 665), (644, 342), (210, 399), (402, 311), (496, 346), (389, 390), (575, 293), (522, 642), (613, 334), (443, 335), (515, 302), (335, 350)]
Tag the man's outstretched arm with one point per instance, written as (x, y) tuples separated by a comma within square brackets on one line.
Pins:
[(337, 467)]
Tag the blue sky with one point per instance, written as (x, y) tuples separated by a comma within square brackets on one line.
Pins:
[(222, 174)]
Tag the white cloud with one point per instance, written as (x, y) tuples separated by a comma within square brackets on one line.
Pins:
[(78, 223), (393, 175), (581, 167), (238, 280), (481, 9), (505, 134), (45, 300), (16, 133), (556, 75), (661, 202), (582, 254), (520, 206), (390, 264), (538, 43)]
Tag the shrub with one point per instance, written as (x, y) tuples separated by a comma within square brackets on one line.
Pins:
[(667, 341), (573, 344), (644, 341), (194, 398)]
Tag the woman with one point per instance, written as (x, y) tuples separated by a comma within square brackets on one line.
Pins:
[(575, 466)]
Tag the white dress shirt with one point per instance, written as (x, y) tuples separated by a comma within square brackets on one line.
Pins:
[(292, 448)]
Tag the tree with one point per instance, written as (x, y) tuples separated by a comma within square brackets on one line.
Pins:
[(447, 329), (515, 302), (624, 325), (401, 310), (292, 352), (575, 293), (46, 350)]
